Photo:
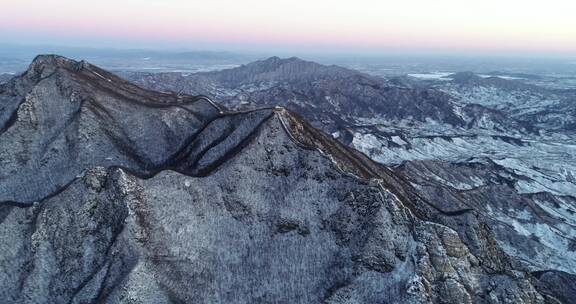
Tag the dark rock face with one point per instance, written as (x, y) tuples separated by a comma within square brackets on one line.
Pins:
[(114, 194), (556, 286)]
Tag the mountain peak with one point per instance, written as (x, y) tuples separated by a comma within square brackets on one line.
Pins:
[(50, 61), (275, 62), (277, 59), (276, 69), (44, 65)]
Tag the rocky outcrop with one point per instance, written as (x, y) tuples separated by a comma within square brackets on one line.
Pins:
[(556, 286), (115, 194), (5, 77)]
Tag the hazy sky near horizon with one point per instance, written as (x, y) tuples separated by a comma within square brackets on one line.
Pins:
[(363, 25)]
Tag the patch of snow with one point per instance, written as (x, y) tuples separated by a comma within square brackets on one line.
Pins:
[(398, 140), (99, 75), (500, 76), (432, 76), (336, 134)]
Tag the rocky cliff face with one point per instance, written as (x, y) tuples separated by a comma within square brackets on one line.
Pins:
[(112, 193), (5, 77)]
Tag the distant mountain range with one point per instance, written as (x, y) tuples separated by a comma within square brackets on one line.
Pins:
[(15, 58), (333, 92)]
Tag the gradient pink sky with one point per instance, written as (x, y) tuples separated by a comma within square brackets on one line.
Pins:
[(491, 25)]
